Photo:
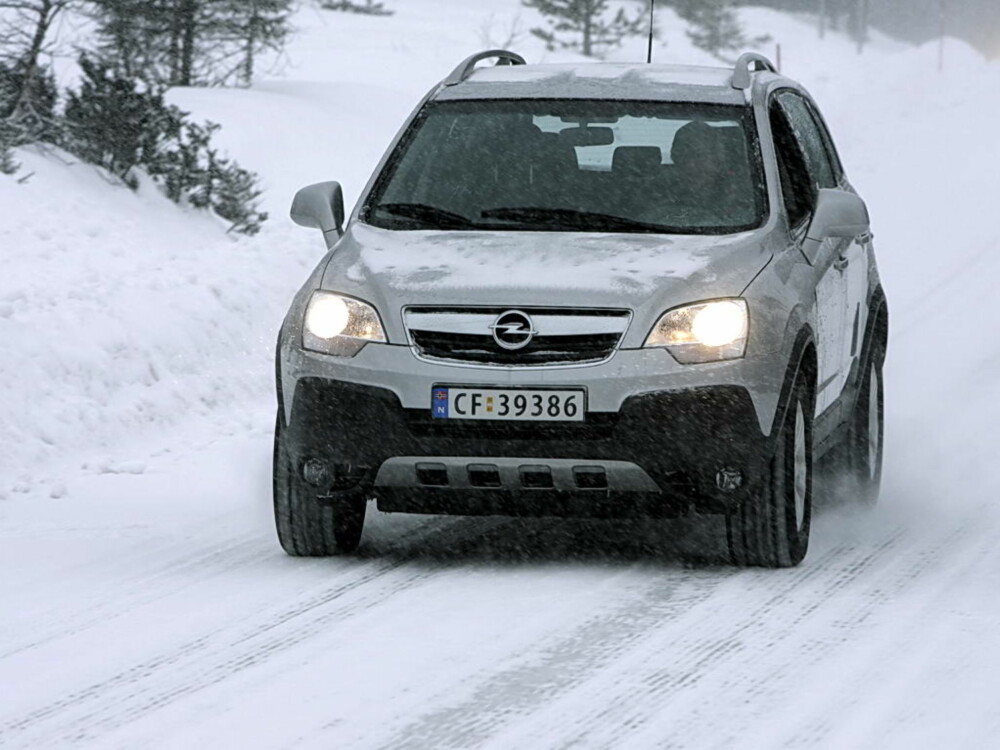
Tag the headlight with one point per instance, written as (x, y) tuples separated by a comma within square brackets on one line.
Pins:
[(705, 332), (339, 325)]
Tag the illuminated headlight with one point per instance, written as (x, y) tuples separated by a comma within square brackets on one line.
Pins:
[(339, 325), (705, 332)]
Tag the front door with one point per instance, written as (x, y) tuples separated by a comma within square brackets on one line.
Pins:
[(856, 312), (831, 304), (813, 165), (805, 167)]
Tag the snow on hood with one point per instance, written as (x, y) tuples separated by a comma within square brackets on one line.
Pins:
[(419, 265), (393, 269)]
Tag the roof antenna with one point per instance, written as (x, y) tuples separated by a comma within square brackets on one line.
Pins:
[(649, 50)]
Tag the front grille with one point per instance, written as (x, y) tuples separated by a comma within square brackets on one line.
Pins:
[(541, 350), (564, 336)]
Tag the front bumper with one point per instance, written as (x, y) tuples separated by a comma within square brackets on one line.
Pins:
[(628, 374), (660, 454)]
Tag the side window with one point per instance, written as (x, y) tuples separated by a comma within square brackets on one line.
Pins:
[(809, 136), (797, 190), (831, 150)]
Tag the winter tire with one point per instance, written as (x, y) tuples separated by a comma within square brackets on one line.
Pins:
[(307, 527), (772, 529), (865, 436)]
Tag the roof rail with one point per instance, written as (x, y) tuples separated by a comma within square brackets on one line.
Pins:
[(465, 68), (741, 71)]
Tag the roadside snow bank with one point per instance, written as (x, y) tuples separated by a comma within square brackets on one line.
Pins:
[(122, 313)]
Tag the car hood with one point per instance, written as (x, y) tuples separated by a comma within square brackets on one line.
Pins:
[(645, 273)]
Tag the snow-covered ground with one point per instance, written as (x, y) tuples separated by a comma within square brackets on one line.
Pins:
[(144, 601)]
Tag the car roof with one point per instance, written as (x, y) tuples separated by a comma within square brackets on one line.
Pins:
[(621, 81)]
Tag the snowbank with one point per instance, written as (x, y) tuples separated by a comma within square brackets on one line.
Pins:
[(122, 314)]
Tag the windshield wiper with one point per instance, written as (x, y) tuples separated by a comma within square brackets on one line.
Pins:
[(570, 218), (431, 215)]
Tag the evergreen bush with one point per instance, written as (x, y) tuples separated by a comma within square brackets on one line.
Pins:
[(119, 124)]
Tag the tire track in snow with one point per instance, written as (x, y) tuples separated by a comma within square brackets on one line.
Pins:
[(142, 591), (827, 718), (772, 650), (598, 648), (219, 655), (559, 668), (182, 570), (758, 655)]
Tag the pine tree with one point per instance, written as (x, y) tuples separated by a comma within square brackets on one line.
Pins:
[(582, 25), (140, 38), (133, 38), (714, 26), (8, 139), (247, 28), (25, 34), (28, 110), (858, 23), (190, 42)]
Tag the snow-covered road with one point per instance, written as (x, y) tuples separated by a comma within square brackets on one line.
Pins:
[(144, 601), (185, 626)]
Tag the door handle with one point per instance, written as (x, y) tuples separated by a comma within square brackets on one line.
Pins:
[(841, 263)]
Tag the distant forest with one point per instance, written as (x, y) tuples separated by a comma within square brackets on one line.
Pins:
[(975, 21)]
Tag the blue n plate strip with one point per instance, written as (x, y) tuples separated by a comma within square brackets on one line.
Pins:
[(439, 403)]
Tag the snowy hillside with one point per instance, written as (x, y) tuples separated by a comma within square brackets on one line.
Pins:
[(146, 603)]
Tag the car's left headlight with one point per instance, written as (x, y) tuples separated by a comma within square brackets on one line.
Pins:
[(339, 325), (703, 332)]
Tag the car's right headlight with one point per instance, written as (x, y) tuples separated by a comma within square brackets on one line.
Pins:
[(703, 332), (339, 325)]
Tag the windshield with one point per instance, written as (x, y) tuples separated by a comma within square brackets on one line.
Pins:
[(574, 165)]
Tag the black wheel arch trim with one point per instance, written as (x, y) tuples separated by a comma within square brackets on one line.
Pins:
[(876, 329), (803, 356), (878, 321), (277, 377)]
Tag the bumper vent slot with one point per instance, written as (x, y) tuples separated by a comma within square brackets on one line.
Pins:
[(484, 475), (536, 477), (432, 475), (590, 477)]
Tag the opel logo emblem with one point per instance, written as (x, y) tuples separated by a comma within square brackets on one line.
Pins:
[(513, 330)]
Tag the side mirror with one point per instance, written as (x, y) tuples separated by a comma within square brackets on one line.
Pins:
[(839, 214), (320, 206)]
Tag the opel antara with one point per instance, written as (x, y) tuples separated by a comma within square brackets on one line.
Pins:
[(602, 290)]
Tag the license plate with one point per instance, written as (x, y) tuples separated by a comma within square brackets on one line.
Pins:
[(508, 404)]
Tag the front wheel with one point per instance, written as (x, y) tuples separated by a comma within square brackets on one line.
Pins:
[(771, 529), (306, 527)]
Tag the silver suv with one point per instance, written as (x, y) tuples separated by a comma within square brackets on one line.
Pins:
[(599, 290)]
